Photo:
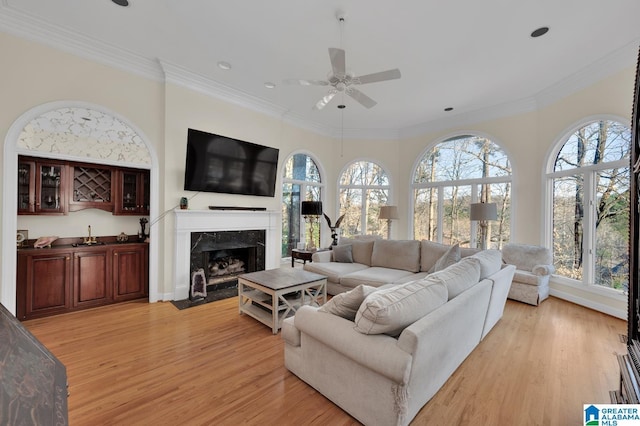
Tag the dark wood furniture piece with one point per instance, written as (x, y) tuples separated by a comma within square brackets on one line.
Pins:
[(70, 276), (47, 187), (33, 382), (629, 390), (303, 255), (91, 187), (42, 186), (132, 192)]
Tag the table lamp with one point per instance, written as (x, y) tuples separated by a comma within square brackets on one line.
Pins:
[(483, 212), (389, 213)]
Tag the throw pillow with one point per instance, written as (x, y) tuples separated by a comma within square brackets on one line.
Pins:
[(397, 254), (451, 257), (343, 254), (391, 311), (430, 252), (459, 276), (346, 305), (490, 262)]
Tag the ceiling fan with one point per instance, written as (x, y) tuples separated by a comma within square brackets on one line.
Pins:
[(342, 82)]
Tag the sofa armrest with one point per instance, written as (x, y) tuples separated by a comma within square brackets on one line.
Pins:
[(289, 333), (543, 270), (322, 256), (378, 352)]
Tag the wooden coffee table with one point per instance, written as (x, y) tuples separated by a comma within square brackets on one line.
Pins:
[(272, 295)]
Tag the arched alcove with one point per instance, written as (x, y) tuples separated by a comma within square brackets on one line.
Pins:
[(75, 131)]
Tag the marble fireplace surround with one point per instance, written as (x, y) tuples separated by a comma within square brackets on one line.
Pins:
[(188, 221)]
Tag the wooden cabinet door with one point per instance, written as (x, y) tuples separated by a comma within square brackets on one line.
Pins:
[(91, 278), (130, 272), (132, 192), (48, 284)]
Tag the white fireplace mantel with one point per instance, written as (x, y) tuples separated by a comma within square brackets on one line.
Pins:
[(188, 221)]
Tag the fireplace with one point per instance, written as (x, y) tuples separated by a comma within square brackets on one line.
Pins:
[(224, 255), (206, 236)]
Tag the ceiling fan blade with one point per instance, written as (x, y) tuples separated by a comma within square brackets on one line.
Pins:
[(378, 76), (325, 99), (366, 101), (337, 61), (306, 82)]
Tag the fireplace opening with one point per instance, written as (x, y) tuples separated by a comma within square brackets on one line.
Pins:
[(225, 265), (224, 255)]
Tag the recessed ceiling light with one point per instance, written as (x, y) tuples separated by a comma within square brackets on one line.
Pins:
[(224, 65), (123, 3), (540, 32), (448, 109), (270, 85)]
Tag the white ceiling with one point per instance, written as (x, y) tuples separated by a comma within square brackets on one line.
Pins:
[(475, 56)]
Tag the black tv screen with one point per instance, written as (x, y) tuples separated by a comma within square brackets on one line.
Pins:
[(217, 163)]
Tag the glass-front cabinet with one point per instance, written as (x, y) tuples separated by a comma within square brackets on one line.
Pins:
[(133, 192), (26, 186), (41, 187)]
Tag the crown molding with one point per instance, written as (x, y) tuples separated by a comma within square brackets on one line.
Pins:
[(614, 62), (27, 27), (466, 118)]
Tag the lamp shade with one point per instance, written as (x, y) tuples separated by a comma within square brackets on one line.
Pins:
[(311, 208), (484, 211), (388, 212)]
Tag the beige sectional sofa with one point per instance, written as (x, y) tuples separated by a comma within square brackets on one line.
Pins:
[(380, 353), (378, 262)]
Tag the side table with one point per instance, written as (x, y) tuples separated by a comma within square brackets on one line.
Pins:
[(303, 255)]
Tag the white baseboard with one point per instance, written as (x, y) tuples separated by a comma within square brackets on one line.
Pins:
[(600, 307)]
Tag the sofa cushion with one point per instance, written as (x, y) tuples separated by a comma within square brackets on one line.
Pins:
[(525, 277), (360, 250), (449, 258), (346, 304), (430, 252), (343, 253), (490, 262), (396, 254), (390, 311), (374, 276), (333, 270), (459, 276)]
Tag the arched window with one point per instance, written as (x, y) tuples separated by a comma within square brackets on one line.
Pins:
[(363, 188), (449, 177), (588, 177), (301, 181)]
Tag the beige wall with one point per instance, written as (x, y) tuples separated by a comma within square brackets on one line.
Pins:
[(34, 74)]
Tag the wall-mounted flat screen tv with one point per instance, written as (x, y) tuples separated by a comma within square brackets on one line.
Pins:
[(221, 164)]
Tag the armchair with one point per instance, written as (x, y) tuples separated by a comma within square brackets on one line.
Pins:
[(534, 266)]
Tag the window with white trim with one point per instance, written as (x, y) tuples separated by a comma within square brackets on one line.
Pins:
[(301, 181), (589, 180), (363, 188), (449, 177)]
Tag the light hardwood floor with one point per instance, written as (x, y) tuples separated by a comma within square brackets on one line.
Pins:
[(151, 364)]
